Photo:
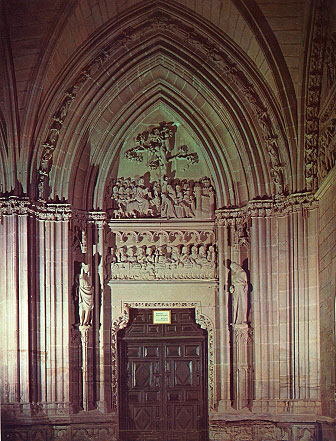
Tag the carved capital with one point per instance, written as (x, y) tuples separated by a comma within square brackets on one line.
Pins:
[(15, 205), (265, 208), (97, 217), (53, 212)]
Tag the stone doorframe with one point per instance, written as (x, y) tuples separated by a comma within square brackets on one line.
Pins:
[(205, 323)]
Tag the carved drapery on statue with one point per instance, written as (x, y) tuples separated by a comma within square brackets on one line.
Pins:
[(239, 291), (241, 339), (85, 296), (161, 255)]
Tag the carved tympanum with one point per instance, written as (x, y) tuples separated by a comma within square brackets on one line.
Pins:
[(170, 198)]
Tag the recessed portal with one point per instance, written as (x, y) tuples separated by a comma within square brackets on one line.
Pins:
[(163, 378)]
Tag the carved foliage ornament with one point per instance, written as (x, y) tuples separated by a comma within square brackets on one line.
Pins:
[(245, 431), (160, 237), (211, 53)]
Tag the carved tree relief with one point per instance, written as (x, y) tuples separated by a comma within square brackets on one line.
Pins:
[(158, 146)]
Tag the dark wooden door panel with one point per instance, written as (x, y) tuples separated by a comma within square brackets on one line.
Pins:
[(162, 380)]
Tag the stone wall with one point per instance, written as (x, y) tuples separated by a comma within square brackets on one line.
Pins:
[(327, 259), (70, 370)]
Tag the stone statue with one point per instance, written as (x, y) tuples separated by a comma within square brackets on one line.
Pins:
[(239, 291), (85, 296), (41, 187)]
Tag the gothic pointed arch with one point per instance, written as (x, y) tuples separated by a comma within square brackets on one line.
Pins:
[(158, 47)]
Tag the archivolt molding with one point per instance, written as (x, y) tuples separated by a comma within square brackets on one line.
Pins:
[(211, 53), (327, 136), (330, 106), (313, 95), (5, 170), (205, 323)]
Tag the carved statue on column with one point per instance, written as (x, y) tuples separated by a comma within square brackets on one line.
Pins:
[(239, 291), (85, 296)]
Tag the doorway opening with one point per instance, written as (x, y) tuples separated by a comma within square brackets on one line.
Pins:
[(163, 378)]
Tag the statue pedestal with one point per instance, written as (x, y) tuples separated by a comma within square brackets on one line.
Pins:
[(241, 365), (87, 366)]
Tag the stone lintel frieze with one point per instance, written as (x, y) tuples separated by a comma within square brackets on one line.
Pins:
[(161, 254), (159, 237), (224, 216), (167, 198)]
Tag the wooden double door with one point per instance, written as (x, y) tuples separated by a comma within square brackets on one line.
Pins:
[(163, 379)]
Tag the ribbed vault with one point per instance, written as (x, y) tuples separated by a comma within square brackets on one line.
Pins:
[(203, 81)]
